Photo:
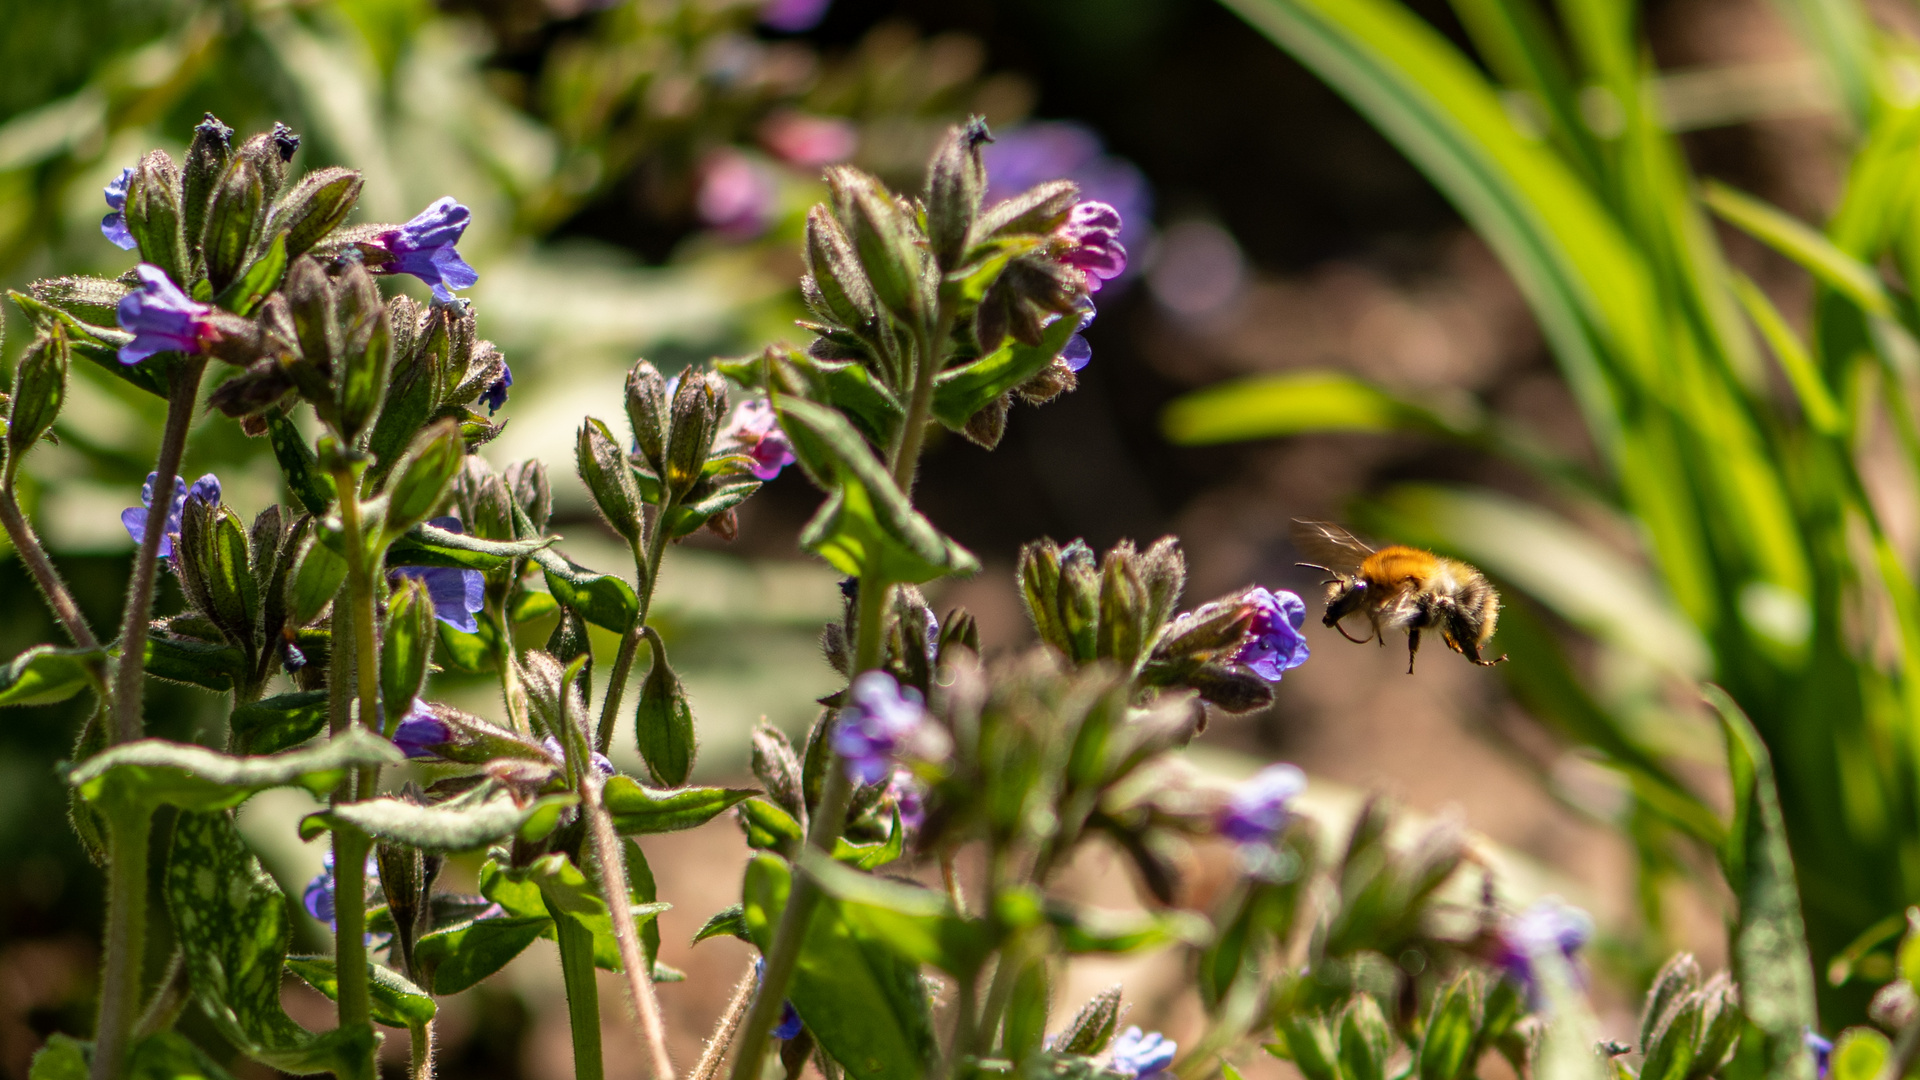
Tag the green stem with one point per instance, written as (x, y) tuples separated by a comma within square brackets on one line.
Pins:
[(420, 1067), (583, 995), (59, 598), (823, 830), (125, 947), (168, 999), (616, 686), (509, 665), (626, 933), (646, 564), (913, 431), (130, 676), (350, 846)]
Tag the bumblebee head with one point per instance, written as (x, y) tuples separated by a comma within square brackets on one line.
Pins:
[(1345, 595)]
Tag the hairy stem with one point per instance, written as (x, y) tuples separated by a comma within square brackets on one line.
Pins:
[(168, 999), (913, 431), (726, 1029), (613, 882), (420, 1063), (125, 947), (510, 688), (616, 686), (350, 846), (130, 676), (583, 995), (48, 579), (823, 830)]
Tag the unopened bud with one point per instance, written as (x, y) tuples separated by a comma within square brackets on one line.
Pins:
[(531, 490), (885, 238), (697, 408), (39, 387), (315, 207), (1080, 600), (233, 220), (647, 414), (603, 468), (955, 182), (206, 163), (153, 214)]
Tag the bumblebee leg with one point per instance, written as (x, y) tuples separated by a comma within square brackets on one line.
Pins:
[(1413, 646), (1343, 633)]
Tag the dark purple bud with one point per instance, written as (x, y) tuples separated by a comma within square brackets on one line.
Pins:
[(424, 247), (285, 140), (1258, 808), (495, 395), (421, 732), (1274, 641), (114, 225), (161, 318)]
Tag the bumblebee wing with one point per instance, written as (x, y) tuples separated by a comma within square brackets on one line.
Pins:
[(1338, 549)]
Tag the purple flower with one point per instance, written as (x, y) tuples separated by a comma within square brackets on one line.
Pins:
[(793, 16), (1077, 352), (495, 395), (1142, 1055), (1274, 642), (737, 194), (114, 225), (1092, 233), (1258, 808), (420, 731), (206, 489), (1551, 924), (319, 896), (1822, 1049), (161, 318), (424, 247), (600, 763), (1034, 153), (457, 594), (789, 1025), (754, 429), (909, 798), (879, 716)]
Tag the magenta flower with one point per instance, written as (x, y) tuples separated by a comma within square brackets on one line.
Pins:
[(134, 519), (754, 430), (793, 16), (737, 194), (457, 594), (424, 247), (114, 225), (161, 318), (798, 138), (880, 716), (1258, 808), (1092, 233), (1036, 152), (1275, 644)]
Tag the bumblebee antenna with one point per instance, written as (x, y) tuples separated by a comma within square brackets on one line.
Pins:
[(1334, 580)]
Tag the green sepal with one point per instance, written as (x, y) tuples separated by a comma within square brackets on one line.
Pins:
[(151, 772), (196, 663), (877, 854), (395, 1002), (961, 391), (45, 674), (555, 887), (915, 922), (167, 1055), (422, 476), (638, 810), (468, 822), (62, 1058), (99, 345), (730, 921), (280, 722), (261, 278), (770, 827)]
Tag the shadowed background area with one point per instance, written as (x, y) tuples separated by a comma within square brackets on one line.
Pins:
[(639, 174)]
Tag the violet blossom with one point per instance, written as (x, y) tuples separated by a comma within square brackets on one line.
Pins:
[(114, 225), (793, 16), (134, 519), (1077, 352), (424, 247), (421, 731), (457, 594), (737, 194), (1550, 924), (909, 798), (161, 318), (754, 429), (1822, 1050), (320, 896), (1274, 641), (1259, 808), (1142, 1055), (1033, 153), (879, 717), (1092, 236)]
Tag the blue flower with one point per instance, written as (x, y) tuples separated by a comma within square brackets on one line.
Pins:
[(1551, 924), (1077, 352), (600, 763), (420, 732), (114, 225), (424, 247), (1274, 642), (1822, 1049), (206, 489), (161, 318), (879, 716), (457, 594), (1142, 1055), (495, 395), (319, 897), (1258, 808), (789, 1025)]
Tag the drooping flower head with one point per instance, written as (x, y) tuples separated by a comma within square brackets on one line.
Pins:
[(754, 430), (1143, 1055), (457, 594), (424, 247), (1033, 153), (737, 194), (1275, 644), (421, 731), (789, 1025), (1258, 808), (134, 519), (793, 16), (495, 395), (161, 318), (1822, 1050), (1092, 235), (880, 715), (1549, 925), (114, 225)]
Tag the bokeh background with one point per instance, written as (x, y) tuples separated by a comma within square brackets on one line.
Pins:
[(638, 174)]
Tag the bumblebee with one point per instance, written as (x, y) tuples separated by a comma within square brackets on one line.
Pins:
[(1401, 588)]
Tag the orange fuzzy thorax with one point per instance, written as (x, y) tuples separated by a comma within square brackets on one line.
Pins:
[(1397, 567)]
